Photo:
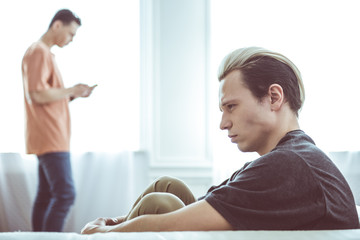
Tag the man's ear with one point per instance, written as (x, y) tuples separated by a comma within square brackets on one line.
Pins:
[(57, 24), (277, 97)]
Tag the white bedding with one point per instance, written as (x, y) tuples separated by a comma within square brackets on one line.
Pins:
[(218, 235)]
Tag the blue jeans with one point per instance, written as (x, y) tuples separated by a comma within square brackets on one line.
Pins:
[(56, 192)]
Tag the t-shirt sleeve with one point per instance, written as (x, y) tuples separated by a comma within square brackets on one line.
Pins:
[(269, 193), (224, 182), (38, 70)]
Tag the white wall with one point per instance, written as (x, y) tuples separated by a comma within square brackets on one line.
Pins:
[(175, 82)]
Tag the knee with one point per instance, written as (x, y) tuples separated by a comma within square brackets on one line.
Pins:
[(71, 197), (162, 202), (176, 187), (67, 196), (164, 183), (165, 179)]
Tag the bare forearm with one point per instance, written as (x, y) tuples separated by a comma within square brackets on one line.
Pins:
[(55, 94), (102, 225), (50, 95), (199, 216), (143, 223)]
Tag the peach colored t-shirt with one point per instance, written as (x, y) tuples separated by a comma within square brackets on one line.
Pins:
[(47, 125)]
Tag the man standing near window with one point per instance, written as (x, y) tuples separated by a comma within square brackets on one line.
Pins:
[(48, 122)]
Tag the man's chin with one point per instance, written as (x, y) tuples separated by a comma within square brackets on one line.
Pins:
[(241, 148), (244, 148), (62, 45)]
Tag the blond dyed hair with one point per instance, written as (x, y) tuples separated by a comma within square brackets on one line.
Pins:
[(254, 61)]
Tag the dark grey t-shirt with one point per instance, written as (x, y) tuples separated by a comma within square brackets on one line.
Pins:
[(295, 186)]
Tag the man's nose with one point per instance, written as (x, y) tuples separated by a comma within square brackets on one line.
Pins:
[(225, 123)]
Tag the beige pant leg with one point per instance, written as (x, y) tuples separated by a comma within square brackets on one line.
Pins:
[(165, 194)]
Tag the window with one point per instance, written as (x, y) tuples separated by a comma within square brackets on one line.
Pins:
[(105, 51), (321, 38)]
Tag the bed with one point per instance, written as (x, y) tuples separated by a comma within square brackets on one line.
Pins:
[(218, 235)]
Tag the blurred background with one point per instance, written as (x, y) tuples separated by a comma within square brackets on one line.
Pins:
[(155, 110)]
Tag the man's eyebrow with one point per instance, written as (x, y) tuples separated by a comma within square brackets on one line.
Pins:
[(227, 101), (224, 103)]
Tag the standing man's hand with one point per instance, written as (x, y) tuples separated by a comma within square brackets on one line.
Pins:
[(82, 90), (89, 91)]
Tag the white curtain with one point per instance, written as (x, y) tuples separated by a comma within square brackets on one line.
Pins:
[(349, 164), (106, 183)]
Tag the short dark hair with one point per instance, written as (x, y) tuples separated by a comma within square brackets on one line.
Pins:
[(261, 68), (66, 17), (263, 71)]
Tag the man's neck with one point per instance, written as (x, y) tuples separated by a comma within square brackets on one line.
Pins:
[(48, 39), (283, 127)]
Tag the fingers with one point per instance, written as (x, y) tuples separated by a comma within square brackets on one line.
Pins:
[(82, 90), (94, 226), (115, 221), (79, 90), (101, 225), (112, 221), (90, 89)]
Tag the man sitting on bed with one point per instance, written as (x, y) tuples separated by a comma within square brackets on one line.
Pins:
[(293, 185)]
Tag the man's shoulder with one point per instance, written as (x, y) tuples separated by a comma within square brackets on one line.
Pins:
[(280, 158), (37, 49), (293, 156), (297, 145)]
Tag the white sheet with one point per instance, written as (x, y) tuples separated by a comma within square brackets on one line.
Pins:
[(107, 184), (218, 235)]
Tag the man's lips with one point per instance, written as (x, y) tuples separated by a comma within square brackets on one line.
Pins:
[(232, 137)]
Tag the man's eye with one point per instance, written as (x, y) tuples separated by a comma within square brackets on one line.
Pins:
[(230, 106)]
